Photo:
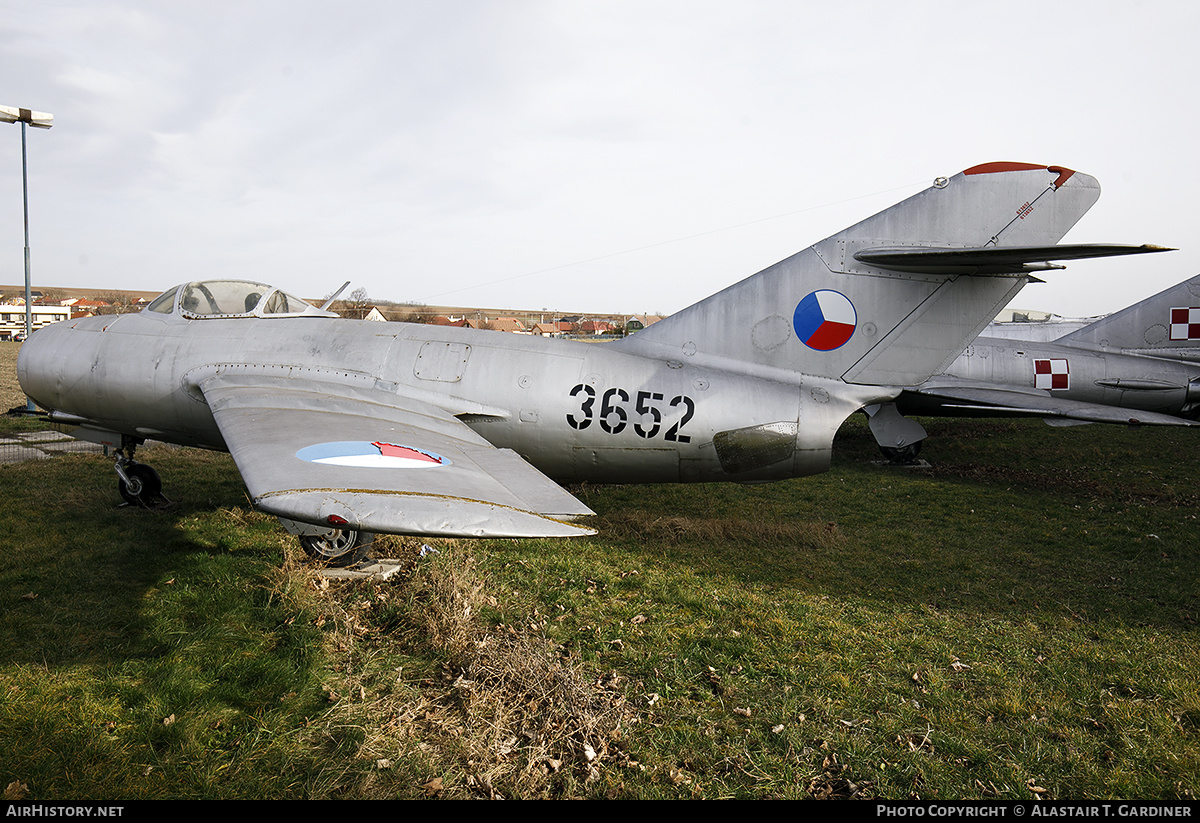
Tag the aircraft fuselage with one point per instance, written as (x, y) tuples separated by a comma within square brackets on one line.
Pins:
[(343, 428), (1108, 378), (576, 411)]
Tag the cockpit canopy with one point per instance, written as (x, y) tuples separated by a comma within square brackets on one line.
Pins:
[(232, 298)]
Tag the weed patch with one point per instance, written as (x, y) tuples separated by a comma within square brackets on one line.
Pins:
[(490, 710)]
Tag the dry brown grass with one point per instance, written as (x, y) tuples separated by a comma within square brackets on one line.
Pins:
[(10, 390), (508, 714)]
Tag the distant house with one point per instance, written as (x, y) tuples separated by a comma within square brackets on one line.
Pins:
[(459, 323), (509, 324), (12, 318), (595, 327), (83, 304), (546, 330), (639, 322), (35, 296), (361, 313)]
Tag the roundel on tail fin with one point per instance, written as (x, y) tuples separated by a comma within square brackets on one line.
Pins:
[(825, 320)]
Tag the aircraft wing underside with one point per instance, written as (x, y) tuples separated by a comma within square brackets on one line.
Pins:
[(339, 457), (969, 397)]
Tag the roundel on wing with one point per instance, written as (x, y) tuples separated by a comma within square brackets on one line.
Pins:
[(376, 455), (825, 320)]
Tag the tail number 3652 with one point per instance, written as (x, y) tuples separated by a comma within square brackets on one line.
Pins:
[(646, 411)]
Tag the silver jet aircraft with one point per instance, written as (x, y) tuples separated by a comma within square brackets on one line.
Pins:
[(1138, 366), (344, 429)]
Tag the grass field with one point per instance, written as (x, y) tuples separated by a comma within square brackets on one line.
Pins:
[(1017, 621), (10, 390)]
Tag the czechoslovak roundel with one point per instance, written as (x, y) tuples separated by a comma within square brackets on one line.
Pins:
[(377, 455), (825, 320)]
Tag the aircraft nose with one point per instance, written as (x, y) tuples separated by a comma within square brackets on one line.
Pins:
[(39, 365)]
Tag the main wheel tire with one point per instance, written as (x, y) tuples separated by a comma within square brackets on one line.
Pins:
[(144, 486), (904, 455), (344, 547)]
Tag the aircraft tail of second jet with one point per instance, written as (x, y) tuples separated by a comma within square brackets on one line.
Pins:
[(1165, 325), (894, 298)]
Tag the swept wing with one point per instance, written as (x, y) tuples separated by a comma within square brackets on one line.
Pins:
[(379, 462)]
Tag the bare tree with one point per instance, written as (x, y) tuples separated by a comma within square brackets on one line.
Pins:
[(118, 303), (357, 305)]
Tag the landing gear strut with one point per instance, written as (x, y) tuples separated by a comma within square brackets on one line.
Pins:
[(344, 547), (898, 437), (330, 546), (138, 484), (904, 455)]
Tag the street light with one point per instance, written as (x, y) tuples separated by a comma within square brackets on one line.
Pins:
[(39, 120)]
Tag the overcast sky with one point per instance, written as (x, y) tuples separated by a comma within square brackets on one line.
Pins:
[(572, 154)]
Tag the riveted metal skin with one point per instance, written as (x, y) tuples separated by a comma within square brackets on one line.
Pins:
[(414, 429)]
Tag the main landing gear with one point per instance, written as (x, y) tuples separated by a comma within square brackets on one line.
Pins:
[(330, 546), (903, 455), (138, 484), (344, 547), (898, 437)]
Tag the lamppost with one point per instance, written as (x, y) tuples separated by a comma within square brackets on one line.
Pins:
[(39, 120)]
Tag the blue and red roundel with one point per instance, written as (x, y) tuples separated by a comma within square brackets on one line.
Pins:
[(825, 320), (376, 455)]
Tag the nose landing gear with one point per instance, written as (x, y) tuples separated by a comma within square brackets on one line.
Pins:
[(138, 484)]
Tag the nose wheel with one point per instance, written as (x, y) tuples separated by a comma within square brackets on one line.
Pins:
[(138, 484)]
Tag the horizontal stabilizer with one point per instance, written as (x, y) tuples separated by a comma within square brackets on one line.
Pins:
[(891, 300), (1034, 403), (989, 259)]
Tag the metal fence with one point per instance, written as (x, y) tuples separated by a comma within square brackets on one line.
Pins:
[(17, 448)]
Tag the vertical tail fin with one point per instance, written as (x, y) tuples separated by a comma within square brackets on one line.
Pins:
[(890, 300), (1165, 325)]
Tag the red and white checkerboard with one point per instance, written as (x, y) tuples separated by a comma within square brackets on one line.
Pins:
[(1185, 324), (1051, 374)]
